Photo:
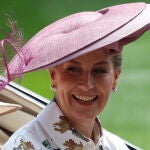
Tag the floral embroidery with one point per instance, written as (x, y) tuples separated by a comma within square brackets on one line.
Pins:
[(72, 145), (63, 125), (24, 146)]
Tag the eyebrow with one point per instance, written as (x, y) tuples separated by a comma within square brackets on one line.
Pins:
[(102, 63), (75, 62)]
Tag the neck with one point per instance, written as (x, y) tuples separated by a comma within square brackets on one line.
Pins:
[(84, 127)]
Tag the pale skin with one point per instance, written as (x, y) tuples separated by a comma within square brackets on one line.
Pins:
[(83, 86)]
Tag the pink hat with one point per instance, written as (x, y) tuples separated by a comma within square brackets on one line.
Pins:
[(81, 33)]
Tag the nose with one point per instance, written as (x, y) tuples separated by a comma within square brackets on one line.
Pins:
[(87, 82)]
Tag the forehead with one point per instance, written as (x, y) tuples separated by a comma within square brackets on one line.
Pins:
[(93, 57), (90, 60)]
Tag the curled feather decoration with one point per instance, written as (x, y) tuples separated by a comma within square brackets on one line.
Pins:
[(9, 47)]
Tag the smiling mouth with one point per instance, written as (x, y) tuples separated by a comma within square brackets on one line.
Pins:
[(85, 99)]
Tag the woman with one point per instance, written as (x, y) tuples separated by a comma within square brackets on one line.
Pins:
[(83, 55)]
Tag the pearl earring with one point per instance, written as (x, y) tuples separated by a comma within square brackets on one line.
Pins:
[(115, 90), (53, 88)]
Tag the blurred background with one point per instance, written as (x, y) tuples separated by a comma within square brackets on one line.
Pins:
[(127, 112)]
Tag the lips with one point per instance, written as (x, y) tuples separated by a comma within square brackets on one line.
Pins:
[(85, 98)]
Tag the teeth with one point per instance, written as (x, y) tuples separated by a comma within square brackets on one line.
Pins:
[(85, 98)]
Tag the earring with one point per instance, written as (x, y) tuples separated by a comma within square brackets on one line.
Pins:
[(53, 88), (115, 90)]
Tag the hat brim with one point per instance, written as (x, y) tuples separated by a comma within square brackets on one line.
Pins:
[(123, 24)]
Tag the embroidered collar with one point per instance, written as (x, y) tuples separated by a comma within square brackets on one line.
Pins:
[(60, 130)]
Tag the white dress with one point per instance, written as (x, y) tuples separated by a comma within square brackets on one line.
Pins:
[(52, 131)]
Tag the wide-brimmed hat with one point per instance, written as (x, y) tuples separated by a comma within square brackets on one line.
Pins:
[(81, 33)]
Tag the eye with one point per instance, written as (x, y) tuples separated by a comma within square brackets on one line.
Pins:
[(99, 71), (73, 69)]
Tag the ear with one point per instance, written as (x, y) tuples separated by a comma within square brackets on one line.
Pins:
[(116, 78), (52, 77)]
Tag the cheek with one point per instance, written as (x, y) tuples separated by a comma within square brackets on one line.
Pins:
[(105, 84), (109, 83), (67, 79), (65, 84)]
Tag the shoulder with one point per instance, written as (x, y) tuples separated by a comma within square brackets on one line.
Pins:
[(22, 138), (113, 141), (107, 134), (30, 136), (118, 142)]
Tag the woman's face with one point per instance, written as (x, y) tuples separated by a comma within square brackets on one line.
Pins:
[(83, 85)]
